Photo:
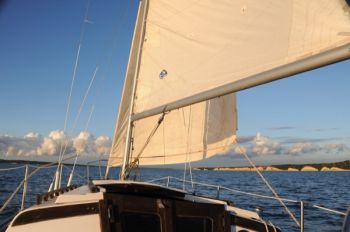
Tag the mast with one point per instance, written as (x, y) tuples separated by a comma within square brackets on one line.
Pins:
[(132, 71), (322, 59), (228, 53)]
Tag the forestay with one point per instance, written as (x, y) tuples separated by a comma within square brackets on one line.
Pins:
[(192, 46)]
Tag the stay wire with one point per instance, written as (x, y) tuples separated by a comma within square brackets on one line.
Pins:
[(243, 152), (82, 33)]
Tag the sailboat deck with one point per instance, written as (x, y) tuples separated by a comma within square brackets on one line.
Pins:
[(112, 204)]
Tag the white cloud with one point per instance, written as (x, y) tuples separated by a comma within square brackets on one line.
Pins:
[(264, 146), (32, 136), (33, 144), (302, 148), (54, 144), (102, 145), (81, 143), (48, 147), (13, 146), (337, 148), (57, 135), (306, 148)]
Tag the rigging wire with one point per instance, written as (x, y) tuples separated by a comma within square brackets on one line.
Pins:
[(243, 152), (81, 108), (82, 33), (58, 174), (84, 100), (77, 154)]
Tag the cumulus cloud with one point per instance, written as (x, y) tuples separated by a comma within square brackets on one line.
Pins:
[(264, 146), (102, 145), (52, 144), (337, 148), (260, 145), (34, 144), (26, 146), (302, 148), (81, 143), (32, 136)]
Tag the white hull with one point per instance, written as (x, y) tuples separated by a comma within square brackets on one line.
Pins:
[(103, 206)]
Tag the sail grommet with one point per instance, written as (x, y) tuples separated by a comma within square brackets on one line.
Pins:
[(163, 74)]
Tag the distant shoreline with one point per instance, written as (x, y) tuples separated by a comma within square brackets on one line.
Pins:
[(343, 166), (324, 167), (38, 162)]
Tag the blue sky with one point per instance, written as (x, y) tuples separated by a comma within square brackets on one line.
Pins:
[(38, 45)]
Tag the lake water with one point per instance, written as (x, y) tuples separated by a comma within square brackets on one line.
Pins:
[(329, 189)]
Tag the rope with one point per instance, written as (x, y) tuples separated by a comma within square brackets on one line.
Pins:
[(189, 164), (188, 160), (184, 176), (136, 161), (9, 169), (268, 184)]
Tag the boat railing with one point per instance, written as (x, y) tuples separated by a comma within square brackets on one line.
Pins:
[(218, 189), (23, 185), (97, 161), (168, 180)]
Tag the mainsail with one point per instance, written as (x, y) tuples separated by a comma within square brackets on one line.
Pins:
[(189, 47)]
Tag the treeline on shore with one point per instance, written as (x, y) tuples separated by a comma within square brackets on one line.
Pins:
[(335, 166)]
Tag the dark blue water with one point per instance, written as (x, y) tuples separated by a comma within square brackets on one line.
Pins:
[(329, 189)]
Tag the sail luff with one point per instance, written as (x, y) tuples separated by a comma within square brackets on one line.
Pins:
[(127, 100), (313, 62), (140, 26)]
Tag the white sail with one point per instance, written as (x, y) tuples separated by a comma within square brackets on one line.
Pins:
[(188, 134), (208, 43), (121, 133), (191, 133), (190, 47)]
